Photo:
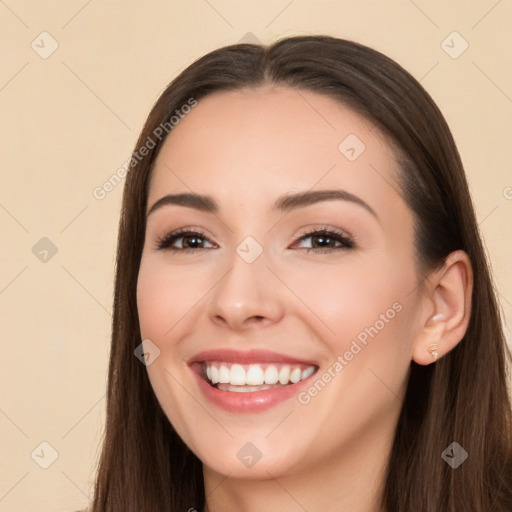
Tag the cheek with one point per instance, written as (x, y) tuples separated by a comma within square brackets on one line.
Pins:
[(346, 298), (164, 298), (154, 304), (361, 312)]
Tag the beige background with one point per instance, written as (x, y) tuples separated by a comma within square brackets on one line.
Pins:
[(70, 120)]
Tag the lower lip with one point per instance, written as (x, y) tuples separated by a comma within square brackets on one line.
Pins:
[(250, 402)]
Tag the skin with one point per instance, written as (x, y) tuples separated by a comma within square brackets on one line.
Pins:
[(245, 149)]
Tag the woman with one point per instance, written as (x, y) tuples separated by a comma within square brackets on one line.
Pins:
[(304, 317)]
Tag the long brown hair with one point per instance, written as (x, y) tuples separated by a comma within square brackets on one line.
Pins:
[(463, 397)]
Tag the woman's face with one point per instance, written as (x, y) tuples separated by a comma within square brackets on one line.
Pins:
[(301, 259)]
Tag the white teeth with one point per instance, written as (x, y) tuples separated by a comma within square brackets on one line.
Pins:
[(214, 374), (307, 372), (237, 376), (223, 375), (260, 375), (284, 374), (255, 376), (296, 375), (243, 389), (271, 375)]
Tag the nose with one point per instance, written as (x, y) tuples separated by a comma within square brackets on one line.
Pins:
[(248, 296)]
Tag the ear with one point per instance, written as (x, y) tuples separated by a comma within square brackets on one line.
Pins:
[(447, 307)]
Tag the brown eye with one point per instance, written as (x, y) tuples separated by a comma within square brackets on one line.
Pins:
[(184, 241), (325, 240)]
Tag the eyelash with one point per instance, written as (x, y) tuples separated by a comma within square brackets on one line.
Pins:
[(165, 243)]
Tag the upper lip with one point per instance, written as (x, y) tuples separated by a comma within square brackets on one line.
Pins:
[(246, 357)]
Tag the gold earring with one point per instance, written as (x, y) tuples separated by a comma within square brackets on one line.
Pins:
[(432, 349)]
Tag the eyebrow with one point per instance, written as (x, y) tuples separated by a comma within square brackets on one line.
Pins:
[(287, 202)]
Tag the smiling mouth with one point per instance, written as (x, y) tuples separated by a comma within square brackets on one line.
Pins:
[(247, 378)]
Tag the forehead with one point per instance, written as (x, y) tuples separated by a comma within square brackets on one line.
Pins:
[(252, 145)]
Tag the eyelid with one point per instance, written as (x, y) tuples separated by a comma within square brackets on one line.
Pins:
[(164, 242), (347, 240), (315, 228)]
